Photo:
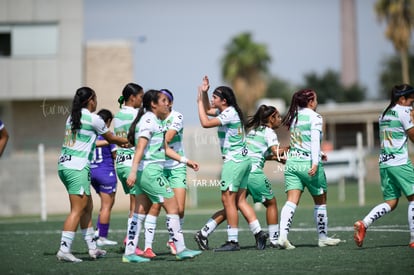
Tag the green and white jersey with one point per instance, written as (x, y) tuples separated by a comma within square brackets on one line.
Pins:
[(122, 122), (77, 150), (175, 122), (393, 136), (231, 136), (300, 134), (259, 142), (151, 128)]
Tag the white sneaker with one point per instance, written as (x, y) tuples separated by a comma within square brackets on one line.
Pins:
[(285, 244), (97, 253), (104, 241), (328, 242), (67, 257)]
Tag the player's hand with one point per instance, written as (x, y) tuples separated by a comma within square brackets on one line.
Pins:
[(205, 85), (192, 164), (132, 177)]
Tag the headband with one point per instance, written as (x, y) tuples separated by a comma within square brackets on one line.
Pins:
[(170, 97), (218, 93), (406, 92)]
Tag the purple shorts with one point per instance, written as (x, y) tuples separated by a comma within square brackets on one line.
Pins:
[(104, 181)]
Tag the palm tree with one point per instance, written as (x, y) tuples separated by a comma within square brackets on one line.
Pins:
[(399, 16), (244, 66)]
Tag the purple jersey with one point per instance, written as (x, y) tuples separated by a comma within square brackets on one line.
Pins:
[(103, 175)]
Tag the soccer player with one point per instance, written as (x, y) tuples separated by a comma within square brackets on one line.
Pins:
[(304, 167), (174, 171), (262, 144), (147, 175), (104, 181), (82, 128), (396, 170), (228, 117), (129, 102)]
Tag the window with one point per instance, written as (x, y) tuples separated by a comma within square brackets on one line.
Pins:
[(28, 40)]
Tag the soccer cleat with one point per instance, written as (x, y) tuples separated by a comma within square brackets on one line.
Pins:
[(411, 245), (328, 242), (228, 246), (261, 238), (187, 254), (285, 244), (138, 251), (134, 259), (171, 246), (97, 253), (148, 253), (104, 241), (359, 232), (67, 257), (275, 244), (201, 241)]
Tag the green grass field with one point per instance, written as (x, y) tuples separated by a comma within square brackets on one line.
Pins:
[(28, 246)]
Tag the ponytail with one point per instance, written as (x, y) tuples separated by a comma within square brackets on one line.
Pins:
[(80, 100), (150, 96), (300, 99), (261, 117), (129, 89), (396, 92)]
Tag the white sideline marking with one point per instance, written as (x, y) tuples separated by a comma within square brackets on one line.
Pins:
[(381, 228)]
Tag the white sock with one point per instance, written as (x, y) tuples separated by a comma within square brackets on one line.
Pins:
[(150, 225), (286, 218), (66, 241), (411, 220), (134, 227), (232, 234), (89, 237), (255, 227), (321, 220), (176, 234), (273, 232), (181, 226), (209, 227), (376, 213)]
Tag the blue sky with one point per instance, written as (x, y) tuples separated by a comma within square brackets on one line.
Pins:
[(177, 42)]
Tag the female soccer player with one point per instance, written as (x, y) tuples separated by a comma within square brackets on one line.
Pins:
[(104, 181), (304, 167), (129, 102), (82, 128), (147, 175), (262, 144), (237, 164), (396, 170)]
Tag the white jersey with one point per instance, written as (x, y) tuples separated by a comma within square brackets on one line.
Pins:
[(122, 122), (231, 135), (259, 142), (175, 122), (151, 128), (77, 150), (393, 136), (300, 134)]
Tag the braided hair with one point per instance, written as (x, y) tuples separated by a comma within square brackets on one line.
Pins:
[(300, 99)]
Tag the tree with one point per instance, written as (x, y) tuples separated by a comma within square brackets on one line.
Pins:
[(244, 66), (329, 88), (391, 73), (279, 88), (399, 16)]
